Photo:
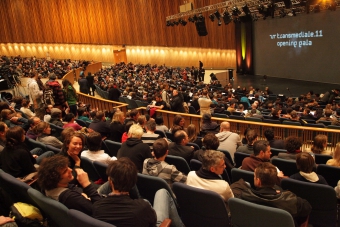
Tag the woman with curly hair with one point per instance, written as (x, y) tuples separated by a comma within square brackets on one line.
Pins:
[(178, 121), (293, 146), (72, 147), (43, 130), (54, 177)]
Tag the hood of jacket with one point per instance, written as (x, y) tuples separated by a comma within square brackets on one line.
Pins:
[(133, 141), (222, 136), (53, 83), (152, 167)]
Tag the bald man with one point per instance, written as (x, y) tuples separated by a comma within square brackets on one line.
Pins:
[(228, 140)]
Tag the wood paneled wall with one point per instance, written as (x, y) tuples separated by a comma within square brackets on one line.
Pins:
[(107, 22), (176, 56)]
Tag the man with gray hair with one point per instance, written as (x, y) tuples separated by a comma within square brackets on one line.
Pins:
[(134, 148), (228, 140), (208, 177)]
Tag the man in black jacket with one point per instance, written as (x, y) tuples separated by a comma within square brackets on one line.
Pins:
[(177, 102)]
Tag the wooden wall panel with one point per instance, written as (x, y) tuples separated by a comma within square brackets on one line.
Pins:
[(130, 22), (171, 56)]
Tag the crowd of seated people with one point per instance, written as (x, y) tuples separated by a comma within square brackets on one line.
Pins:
[(135, 155)]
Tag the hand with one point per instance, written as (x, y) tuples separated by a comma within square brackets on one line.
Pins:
[(4, 220), (75, 157), (35, 156), (82, 178)]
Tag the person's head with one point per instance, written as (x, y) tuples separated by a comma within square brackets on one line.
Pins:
[(54, 170), (192, 133), (336, 153), (3, 130), (213, 161), (55, 113), (179, 120), (65, 83), (119, 116), (141, 120), (34, 121), (294, 114), (160, 148), (134, 114), (25, 103), (69, 118), (225, 126), (17, 100), (206, 117), (320, 143), (150, 126), (305, 162), (52, 76), (100, 116), (293, 144), (269, 134), (42, 128), (174, 92), (210, 141), (328, 112), (181, 137), (67, 132), (265, 175), (81, 111), (5, 114), (94, 141), (251, 136), (74, 144), (159, 120), (262, 150), (15, 135), (135, 131), (122, 174), (158, 98)]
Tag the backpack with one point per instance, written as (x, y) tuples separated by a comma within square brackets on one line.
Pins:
[(48, 96), (26, 215)]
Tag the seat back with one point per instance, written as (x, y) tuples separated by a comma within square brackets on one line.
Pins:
[(141, 104), (200, 207), (131, 103), (238, 158), (288, 167), (291, 123), (35, 144), (56, 130), (169, 136), (322, 198), (321, 158), (101, 169), (54, 149), (237, 117), (247, 176), (149, 185), (80, 219), (315, 125), (56, 211), (16, 189), (180, 163), (161, 133), (81, 123), (330, 173), (256, 119), (271, 121), (196, 147), (275, 151), (258, 215), (89, 168), (192, 110), (195, 164), (113, 147)]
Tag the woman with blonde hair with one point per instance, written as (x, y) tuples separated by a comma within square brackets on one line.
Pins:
[(192, 135), (320, 145), (117, 127), (335, 161)]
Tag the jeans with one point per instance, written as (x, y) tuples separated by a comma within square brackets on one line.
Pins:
[(41, 154), (165, 207)]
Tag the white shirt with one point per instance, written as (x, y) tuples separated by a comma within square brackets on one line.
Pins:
[(99, 156)]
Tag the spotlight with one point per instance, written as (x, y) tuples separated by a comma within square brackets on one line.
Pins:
[(191, 20), (172, 24), (217, 14), (236, 11), (176, 23), (212, 17), (182, 22), (246, 10), (168, 23), (226, 17), (201, 18)]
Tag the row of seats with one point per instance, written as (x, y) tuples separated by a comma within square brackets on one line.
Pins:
[(288, 167)]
